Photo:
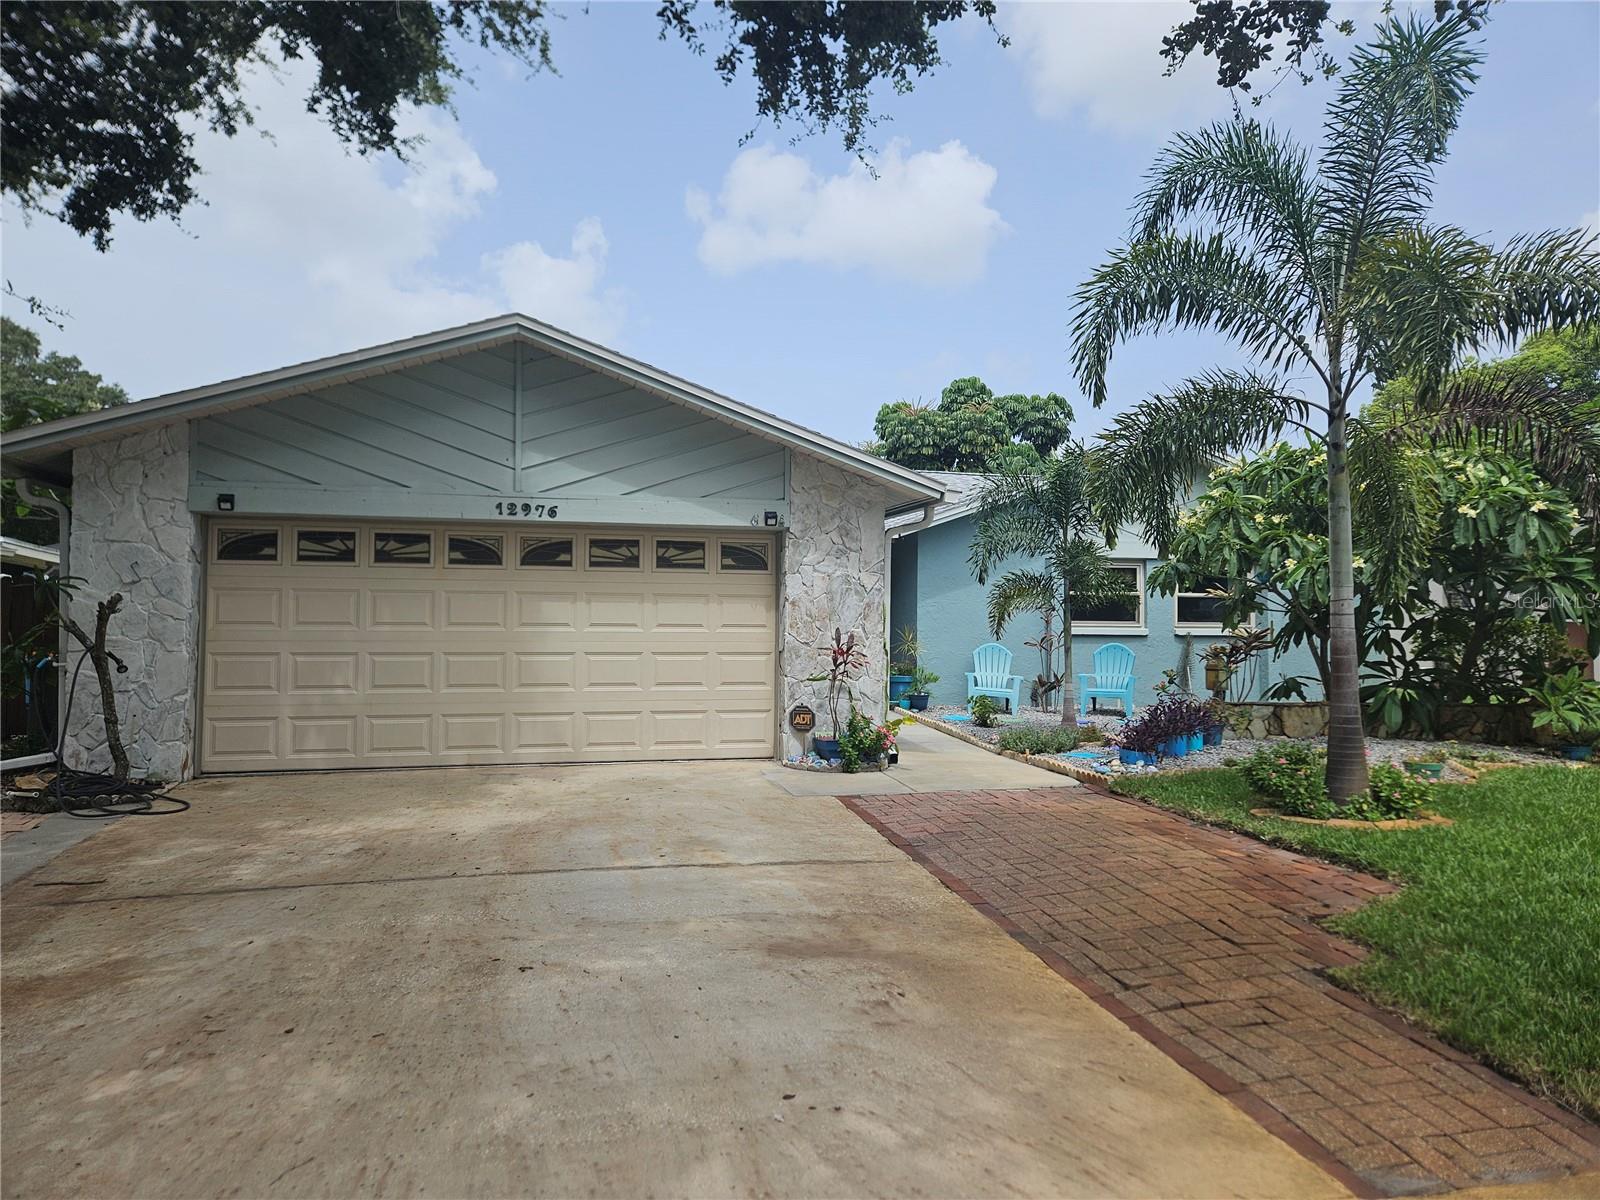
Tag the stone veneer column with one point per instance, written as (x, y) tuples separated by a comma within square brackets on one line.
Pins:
[(132, 532), (834, 574)]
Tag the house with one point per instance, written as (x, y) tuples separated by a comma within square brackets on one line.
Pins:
[(27, 709), (932, 591), (498, 543)]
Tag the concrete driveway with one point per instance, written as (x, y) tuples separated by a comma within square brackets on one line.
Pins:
[(602, 980)]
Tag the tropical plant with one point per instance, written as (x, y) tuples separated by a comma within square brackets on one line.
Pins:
[(1292, 775), (985, 711), (906, 650), (972, 429), (921, 680), (1143, 732), (1049, 515), (1568, 705), (1332, 271), (846, 661)]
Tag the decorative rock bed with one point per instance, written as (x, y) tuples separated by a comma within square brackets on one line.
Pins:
[(1459, 760), (811, 761)]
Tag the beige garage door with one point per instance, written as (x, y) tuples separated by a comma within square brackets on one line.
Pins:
[(332, 643)]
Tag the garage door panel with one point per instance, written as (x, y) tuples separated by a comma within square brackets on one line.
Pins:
[(329, 665), (399, 671)]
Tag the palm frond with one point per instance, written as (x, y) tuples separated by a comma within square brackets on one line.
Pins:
[(1176, 282), (1395, 503), (1542, 281), (1021, 591), (1251, 183), (1398, 103), (1155, 452)]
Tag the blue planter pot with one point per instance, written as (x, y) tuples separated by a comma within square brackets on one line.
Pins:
[(917, 703), (1176, 747), (1136, 758), (1577, 753), (827, 748), (1196, 741), (899, 687), (1213, 736)]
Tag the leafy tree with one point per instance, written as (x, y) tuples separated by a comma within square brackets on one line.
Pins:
[(972, 429), (1329, 271), (1049, 514), (101, 100), (36, 388), (1243, 35)]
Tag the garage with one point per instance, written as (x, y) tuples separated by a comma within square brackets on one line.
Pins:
[(333, 644), (498, 543)]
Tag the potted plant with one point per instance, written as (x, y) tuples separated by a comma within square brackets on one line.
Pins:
[(906, 650), (846, 660), (1216, 723), (1424, 768), (1138, 739), (1568, 705), (921, 680)]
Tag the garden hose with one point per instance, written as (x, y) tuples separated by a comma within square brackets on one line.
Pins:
[(88, 795)]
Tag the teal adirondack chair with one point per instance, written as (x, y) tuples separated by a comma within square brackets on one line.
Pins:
[(1112, 678), (991, 675)]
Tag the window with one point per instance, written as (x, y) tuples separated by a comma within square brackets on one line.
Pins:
[(1199, 608), (743, 556), (613, 552), (325, 546), (475, 550), (1125, 612), (546, 552), (675, 555), (402, 548), (247, 545)]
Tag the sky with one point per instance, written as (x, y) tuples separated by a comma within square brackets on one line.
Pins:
[(616, 199)]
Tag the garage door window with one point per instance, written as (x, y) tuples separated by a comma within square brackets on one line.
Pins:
[(323, 546), (546, 552), (744, 556), (675, 554), (475, 550), (247, 545), (614, 552), (402, 548)]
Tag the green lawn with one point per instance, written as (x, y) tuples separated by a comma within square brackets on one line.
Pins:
[(1494, 942)]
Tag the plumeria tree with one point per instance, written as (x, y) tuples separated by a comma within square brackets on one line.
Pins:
[(1049, 517), (1325, 269)]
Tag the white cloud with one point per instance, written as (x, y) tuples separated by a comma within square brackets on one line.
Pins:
[(303, 248), (1102, 62), (924, 217)]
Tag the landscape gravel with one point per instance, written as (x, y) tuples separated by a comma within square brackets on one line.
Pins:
[(1379, 750)]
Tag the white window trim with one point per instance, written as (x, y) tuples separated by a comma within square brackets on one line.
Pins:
[(222, 527), (372, 548), (1214, 628), (294, 532), (1139, 628), (578, 547), (703, 569), (764, 543), (496, 534)]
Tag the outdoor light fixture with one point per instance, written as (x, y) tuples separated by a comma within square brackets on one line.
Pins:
[(771, 518), (225, 502)]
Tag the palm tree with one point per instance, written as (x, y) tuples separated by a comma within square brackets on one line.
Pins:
[(1046, 514), (1327, 271)]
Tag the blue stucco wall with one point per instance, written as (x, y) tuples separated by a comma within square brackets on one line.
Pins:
[(934, 581)]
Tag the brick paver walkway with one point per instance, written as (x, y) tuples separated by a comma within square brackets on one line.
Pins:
[(1207, 943)]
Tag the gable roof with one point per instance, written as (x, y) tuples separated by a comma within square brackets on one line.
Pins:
[(44, 450)]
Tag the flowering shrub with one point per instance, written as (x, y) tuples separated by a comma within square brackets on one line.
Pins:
[(1292, 777), (863, 741)]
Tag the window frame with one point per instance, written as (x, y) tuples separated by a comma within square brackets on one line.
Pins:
[(495, 535), (588, 543), (705, 549), (376, 531), (574, 544), (277, 545), (355, 555), (1141, 623), (1209, 627), (766, 548)]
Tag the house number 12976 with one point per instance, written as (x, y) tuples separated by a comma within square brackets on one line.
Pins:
[(523, 508)]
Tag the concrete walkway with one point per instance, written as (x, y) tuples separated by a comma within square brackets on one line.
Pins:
[(616, 981)]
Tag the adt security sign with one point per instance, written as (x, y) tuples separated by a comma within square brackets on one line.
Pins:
[(802, 719)]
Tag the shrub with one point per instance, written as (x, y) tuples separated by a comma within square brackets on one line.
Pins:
[(863, 741), (985, 711), (1291, 775), (1038, 740)]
